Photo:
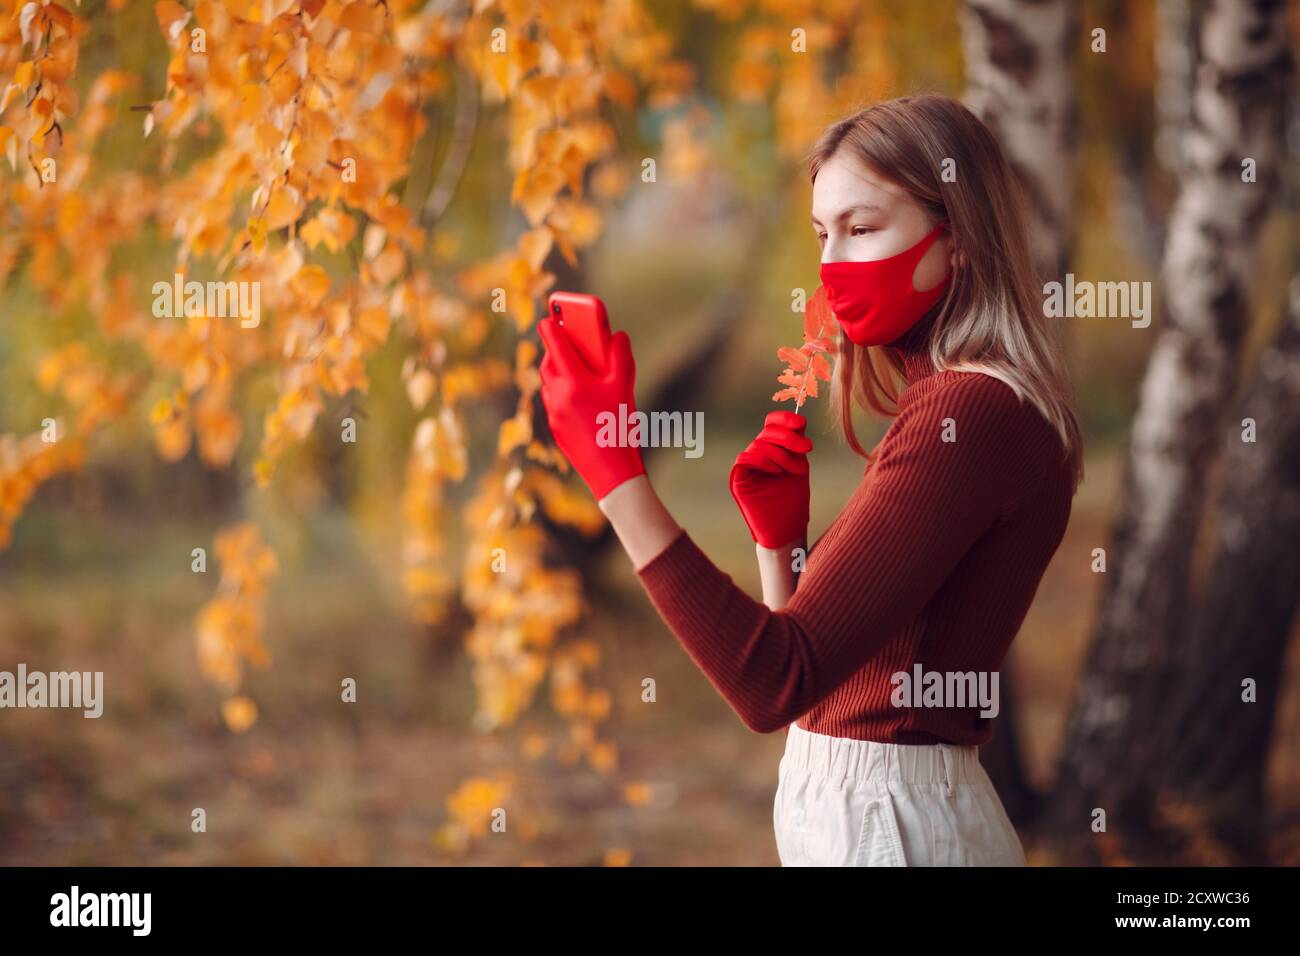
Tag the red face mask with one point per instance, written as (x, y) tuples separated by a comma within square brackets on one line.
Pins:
[(875, 302)]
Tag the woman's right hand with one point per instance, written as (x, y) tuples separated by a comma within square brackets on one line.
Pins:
[(770, 481)]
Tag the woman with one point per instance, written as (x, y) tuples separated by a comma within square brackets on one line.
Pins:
[(932, 564)]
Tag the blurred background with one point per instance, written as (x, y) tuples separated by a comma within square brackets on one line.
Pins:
[(407, 181)]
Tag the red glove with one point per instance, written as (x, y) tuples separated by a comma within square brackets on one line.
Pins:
[(574, 397), (770, 481)]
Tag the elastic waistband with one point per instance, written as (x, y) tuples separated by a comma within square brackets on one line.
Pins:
[(842, 758)]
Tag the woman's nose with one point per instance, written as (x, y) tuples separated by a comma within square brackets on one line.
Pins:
[(831, 251)]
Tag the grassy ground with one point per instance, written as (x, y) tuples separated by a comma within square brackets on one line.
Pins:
[(317, 781)]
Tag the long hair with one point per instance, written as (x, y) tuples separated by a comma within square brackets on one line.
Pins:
[(991, 318)]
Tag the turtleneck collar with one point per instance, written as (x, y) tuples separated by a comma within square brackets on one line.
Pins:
[(912, 348)]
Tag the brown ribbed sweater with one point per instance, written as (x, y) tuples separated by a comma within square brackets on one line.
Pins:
[(933, 561)]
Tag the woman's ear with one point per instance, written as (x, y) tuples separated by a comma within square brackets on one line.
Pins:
[(955, 258)]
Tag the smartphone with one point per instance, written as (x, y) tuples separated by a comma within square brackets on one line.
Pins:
[(586, 323)]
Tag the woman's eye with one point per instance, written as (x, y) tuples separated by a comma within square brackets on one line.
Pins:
[(862, 230), (821, 237)]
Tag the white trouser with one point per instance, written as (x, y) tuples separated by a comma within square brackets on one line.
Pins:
[(844, 802)]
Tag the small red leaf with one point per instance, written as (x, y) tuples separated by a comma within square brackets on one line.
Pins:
[(797, 359), (817, 317)]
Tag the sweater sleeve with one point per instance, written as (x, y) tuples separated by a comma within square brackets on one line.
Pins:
[(960, 457)]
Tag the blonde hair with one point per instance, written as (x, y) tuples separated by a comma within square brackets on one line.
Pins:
[(991, 319)]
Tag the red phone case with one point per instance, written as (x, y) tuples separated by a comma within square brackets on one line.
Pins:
[(585, 321)]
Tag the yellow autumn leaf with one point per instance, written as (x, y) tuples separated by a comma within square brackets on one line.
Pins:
[(239, 713), (373, 324), (168, 13), (312, 283), (257, 232), (515, 432), (618, 856), (420, 387), (24, 74), (535, 191), (285, 207), (638, 794), (161, 411)]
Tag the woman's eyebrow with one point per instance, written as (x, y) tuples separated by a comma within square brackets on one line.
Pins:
[(850, 210)]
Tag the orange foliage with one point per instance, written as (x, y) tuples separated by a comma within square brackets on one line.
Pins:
[(282, 144), (808, 363)]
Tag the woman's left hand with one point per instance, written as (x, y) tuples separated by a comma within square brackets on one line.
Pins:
[(574, 397), (770, 481)]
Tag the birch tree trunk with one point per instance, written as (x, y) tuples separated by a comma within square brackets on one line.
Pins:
[(1235, 127), (1212, 781), (1019, 81), (1019, 61)]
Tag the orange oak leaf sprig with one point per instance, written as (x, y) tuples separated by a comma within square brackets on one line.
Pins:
[(808, 363)]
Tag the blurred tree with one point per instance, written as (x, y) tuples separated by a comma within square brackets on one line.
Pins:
[(1229, 185), (1215, 747), (1019, 81)]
